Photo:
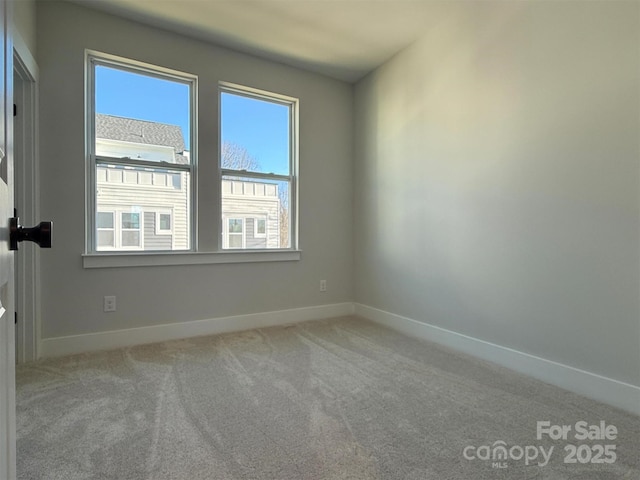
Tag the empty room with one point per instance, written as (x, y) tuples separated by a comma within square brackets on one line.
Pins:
[(320, 239)]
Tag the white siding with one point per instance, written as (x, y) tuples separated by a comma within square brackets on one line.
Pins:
[(151, 192), (136, 190), (250, 200)]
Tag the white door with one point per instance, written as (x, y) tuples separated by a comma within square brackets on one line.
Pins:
[(7, 330), (25, 200)]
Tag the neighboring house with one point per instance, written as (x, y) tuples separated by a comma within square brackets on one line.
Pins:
[(147, 209)]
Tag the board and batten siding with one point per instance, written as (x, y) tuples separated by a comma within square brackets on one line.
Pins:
[(158, 192), (251, 200), (148, 192)]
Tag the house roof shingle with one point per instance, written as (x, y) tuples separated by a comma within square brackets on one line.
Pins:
[(141, 131)]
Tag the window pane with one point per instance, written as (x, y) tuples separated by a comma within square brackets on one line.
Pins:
[(235, 225), (165, 221), (266, 199), (104, 220), (105, 238), (255, 134), (131, 220), (130, 238), (235, 241), (133, 199), (141, 116)]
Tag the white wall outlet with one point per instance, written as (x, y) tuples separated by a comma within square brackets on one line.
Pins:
[(110, 303), (323, 285)]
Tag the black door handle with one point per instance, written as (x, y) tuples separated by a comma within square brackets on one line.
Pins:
[(40, 234)]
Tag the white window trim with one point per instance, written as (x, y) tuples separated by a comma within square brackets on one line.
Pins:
[(164, 211), (125, 259), (112, 229), (256, 234), (93, 58), (140, 230), (118, 230), (227, 233), (177, 258), (292, 178)]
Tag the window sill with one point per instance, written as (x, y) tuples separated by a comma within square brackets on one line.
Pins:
[(151, 259)]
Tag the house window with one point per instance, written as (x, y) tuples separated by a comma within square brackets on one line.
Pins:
[(140, 131), (105, 227), (119, 229), (260, 226), (258, 165), (235, 233), (130, 231), (163, 223)]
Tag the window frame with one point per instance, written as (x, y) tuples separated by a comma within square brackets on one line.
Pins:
[(228, 232), (213, 253), (292, 178), (92, 59), (123, 230), (113, 228), (118, 230), (256, 233), (160, 212)]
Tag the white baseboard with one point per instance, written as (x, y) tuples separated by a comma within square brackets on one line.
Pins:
[(607, 390), (58, 346)]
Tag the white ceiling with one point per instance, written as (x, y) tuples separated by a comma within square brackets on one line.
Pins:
[(344, 39)]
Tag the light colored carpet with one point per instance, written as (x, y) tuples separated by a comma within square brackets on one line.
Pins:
[(334, 399)]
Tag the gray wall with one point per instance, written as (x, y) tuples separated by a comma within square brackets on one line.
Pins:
[(72, 296), (24, 20), (497, 181)]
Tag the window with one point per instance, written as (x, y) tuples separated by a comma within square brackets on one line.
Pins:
[(235, 233), (258, 168), (131, 235), (105, 227), (118, 229), (260, 227), (141, 170), (140, 131), (163, 223)]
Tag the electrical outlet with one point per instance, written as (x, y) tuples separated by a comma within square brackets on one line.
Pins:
[(323, 285), (110, 303)]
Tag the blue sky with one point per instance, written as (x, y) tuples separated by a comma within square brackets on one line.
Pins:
[(259, 126), (127, 94)]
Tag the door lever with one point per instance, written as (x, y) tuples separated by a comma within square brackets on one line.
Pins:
[(40, 234)]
